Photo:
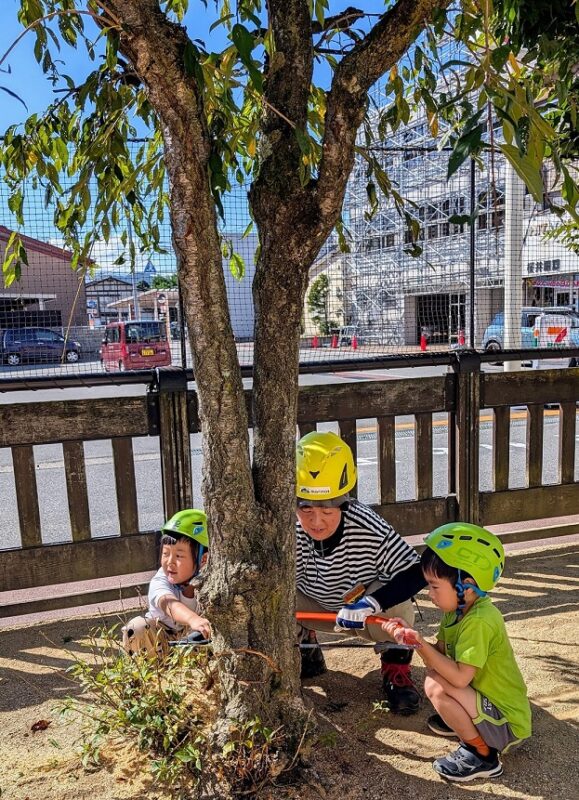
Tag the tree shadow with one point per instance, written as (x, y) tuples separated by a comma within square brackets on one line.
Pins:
[(375, 753), (35, 660)]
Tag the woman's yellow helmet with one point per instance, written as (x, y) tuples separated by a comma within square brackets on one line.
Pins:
[(325, 468)]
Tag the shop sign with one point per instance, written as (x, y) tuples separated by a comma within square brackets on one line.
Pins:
[(549, 265), (555, 283)]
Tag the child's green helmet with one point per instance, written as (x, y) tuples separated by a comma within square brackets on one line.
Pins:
[(470, 548), (189, 522)]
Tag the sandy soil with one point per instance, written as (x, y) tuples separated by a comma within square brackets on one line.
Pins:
[(360, 754)]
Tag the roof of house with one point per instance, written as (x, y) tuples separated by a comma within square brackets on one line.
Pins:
[(36, 245)]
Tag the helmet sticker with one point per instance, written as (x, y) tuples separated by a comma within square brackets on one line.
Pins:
[(198, 529), (443, 544), (496, 574), (315, 490)]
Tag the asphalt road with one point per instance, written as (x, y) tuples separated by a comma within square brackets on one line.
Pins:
[(100, 476)]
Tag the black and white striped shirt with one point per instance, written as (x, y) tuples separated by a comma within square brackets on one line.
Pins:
[(367, 550)]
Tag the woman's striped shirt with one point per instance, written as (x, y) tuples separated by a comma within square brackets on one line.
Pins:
[(368, 550)]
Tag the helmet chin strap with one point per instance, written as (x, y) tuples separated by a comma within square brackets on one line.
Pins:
[(461, 587), (201, 550)]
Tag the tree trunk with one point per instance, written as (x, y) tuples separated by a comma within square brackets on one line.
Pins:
[(250, 592)]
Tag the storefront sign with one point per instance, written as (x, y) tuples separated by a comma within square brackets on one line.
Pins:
[(549, 265), (555, 283)]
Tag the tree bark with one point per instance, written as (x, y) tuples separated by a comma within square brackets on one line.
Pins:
[(250, 592)]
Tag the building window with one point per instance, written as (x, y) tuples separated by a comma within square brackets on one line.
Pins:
[(498, 218)]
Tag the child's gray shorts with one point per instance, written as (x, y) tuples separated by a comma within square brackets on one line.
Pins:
[(492, 725)]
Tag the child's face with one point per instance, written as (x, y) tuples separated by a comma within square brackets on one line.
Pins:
[(177, 562), (441, 592)]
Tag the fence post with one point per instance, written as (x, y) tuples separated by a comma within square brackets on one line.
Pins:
[(169, 419), (467, 367)]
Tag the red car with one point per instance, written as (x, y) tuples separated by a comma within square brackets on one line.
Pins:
[(135, 345)]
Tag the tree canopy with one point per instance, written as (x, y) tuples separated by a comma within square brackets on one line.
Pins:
[(506, 52)]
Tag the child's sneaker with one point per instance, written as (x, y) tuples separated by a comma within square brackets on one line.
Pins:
[(438, 725), (466, 764)]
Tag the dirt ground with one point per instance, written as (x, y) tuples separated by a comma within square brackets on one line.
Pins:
[(360, 754)]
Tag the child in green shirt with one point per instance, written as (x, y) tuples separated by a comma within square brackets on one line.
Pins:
[(473, 680)]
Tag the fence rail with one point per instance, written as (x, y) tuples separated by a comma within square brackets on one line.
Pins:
[(169, 412)]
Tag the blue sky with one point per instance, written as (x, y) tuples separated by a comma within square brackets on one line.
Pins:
[(29, 82)]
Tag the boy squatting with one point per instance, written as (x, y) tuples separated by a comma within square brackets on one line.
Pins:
[(473, 680)]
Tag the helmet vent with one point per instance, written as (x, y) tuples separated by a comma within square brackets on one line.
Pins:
[(344, 478), (315, 474), (486, 544), (465, 538)]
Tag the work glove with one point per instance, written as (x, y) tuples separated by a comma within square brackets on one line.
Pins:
[(353, 615)]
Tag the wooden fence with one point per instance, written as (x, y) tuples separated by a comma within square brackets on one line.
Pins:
[(169, 411)]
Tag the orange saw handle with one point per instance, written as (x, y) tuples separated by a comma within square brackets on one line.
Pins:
[(408, 638), (330, 616)]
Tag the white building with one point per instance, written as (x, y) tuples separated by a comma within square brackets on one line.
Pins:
[(393, 296)]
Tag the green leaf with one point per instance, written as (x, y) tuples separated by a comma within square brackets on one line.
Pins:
[(229, 747), (468, 143), (372, 199), (528, 171), (237, 266), (304, 141), (461, 219), (244, 44)]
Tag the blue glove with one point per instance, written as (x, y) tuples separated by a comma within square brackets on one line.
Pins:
[(354, 615)]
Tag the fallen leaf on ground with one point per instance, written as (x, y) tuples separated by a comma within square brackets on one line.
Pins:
[(41, 725)]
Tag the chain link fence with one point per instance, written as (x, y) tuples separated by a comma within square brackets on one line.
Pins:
[(431, 279)]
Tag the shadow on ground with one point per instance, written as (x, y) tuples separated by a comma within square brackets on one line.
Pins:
[(358, 753)]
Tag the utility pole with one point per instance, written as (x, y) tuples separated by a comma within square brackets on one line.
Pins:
[(136, 309), (513, 273)]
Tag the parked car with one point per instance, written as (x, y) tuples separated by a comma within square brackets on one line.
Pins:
[(135, 345), (493, 337), (36, 344)]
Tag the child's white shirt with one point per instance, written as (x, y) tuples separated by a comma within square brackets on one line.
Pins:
[(160, 586)]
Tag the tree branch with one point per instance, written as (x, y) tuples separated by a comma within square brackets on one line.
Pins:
[(356, 73)]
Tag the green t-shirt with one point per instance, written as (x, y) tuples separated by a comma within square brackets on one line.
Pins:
[(480, 640)]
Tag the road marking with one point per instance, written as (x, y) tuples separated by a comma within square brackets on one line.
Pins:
[(442, 423)]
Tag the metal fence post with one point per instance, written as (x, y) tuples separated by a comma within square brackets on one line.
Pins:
[(169, 418), (467, 367)]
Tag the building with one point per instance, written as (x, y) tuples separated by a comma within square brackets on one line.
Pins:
[(101, 293), (49, 292), (399, 284)]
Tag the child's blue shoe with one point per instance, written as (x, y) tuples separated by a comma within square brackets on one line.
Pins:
[(467, 765)]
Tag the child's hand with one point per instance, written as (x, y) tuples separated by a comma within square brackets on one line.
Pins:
[(202, 625), (399, 630)]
